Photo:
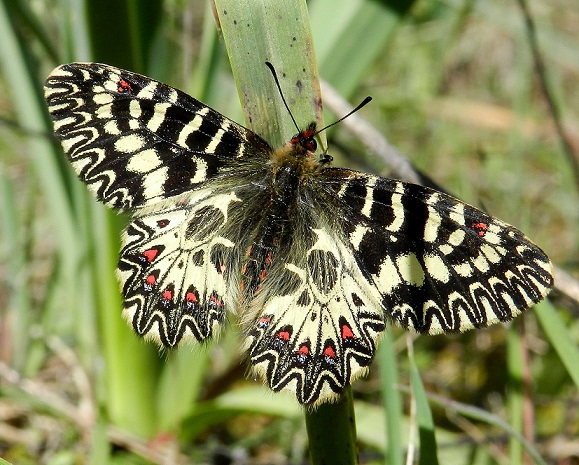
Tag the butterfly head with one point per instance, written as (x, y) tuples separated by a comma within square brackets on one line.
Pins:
[(306, 139)]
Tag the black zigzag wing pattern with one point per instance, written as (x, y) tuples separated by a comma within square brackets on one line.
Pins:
[(135, 141), (314, 260), (440, 265)]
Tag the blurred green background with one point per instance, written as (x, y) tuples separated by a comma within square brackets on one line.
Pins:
[(454, 88)]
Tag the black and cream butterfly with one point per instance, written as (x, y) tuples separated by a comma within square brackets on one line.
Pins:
[(314, 260)]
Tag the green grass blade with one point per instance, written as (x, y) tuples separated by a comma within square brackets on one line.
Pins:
[(26, 20), (428, 449), (30, 109), (391, 399), (205, 81), (14, 256), (515, 393), (559, 337), (278, 32), (180, 383), (251, 399), (481, 415), (100, 450), (353, 38)]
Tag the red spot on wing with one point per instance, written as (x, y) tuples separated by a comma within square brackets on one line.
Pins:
[(124, 86), (151, 279), (263, 322), (162, 223), (283, 335), (347, 332), (480, 228), (151, 254), (216, 301), (304, 350), (167, 294), (329, 352), (191, 297)]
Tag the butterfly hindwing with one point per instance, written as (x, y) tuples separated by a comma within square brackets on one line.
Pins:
[(439, 264), (135, 141), (320, 333), (174, 268)]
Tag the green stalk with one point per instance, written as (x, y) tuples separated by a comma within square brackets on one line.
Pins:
[(515, 394), (428, 454), (279, 32), (332, 432), (391, 399)]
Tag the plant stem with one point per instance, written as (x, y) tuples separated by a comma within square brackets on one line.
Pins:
[(332, 432)]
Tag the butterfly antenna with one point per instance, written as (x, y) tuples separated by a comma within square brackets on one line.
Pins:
[(364, 103), (274, 74)]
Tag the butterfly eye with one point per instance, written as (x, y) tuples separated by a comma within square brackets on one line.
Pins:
[(310, 144)]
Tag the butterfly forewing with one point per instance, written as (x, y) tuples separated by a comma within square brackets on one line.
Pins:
[(314, 260), (135, 141), (439, 264)]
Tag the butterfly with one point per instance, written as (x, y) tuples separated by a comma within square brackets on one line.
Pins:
[(314, 260)]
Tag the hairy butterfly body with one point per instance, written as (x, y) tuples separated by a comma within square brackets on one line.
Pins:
[(315, 260)]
